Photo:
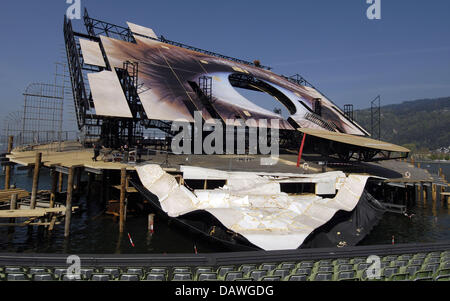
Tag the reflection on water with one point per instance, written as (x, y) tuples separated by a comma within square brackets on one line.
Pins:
[(94, 232), (430, 222)]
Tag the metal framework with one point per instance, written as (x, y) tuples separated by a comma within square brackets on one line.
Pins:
[(348, 111), (96, 27), (41, 119), (375, 118), (42, 114)]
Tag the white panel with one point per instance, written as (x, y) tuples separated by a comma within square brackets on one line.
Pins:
[(92, 55), (325, 188), (142, 30), (108, 96)]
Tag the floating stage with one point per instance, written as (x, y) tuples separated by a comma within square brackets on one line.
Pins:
[(206, 179)]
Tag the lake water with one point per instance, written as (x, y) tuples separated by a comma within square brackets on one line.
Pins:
[(94, 232)]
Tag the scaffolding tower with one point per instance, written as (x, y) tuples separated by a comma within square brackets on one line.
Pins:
[(375, 118)]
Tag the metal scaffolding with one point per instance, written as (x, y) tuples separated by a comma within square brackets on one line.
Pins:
[(41, 119), (375, 118)]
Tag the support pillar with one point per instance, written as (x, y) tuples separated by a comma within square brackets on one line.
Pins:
[(434, 192), (8, 166), (68, 215), (13, 206), (54, 174), (60, 182), (34, 190)]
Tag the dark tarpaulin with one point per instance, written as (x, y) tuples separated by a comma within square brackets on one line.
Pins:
[(347, 228)]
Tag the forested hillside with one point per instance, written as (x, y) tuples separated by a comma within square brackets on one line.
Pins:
[(419, 124)]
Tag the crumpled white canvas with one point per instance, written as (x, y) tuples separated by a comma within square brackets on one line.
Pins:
[(253, 205)]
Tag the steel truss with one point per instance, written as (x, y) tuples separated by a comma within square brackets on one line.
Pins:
[(375, 118)]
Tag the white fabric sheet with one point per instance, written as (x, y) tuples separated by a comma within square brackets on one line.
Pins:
[(253, 206)]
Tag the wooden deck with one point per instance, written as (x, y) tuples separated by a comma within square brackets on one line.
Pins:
[(5, 195)]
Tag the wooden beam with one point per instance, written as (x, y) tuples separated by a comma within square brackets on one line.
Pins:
[(434, 192), (39, 212), (68, 216), (34, 190), (13, 206), (60, 181), (52, 223), (54, 188)]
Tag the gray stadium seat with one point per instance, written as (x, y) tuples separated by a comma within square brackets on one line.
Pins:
[(297, 278), (306, 264), (16, 277), (129, 277), (323, 277), (287, 265), (281, 272), (302, 271), (271, 278), (158, 270), (114, 272), (268, 266), (182, 277), (156, 276), (346, 275), (387, 272), (71, 277), (177, 270), (344, 267), (101, 277), (325, 269), (257, 274), (12, 270), (42, 277), (231, 276), (245, 268), (207, 276), (221, 271), (135, 271), (37, 270)]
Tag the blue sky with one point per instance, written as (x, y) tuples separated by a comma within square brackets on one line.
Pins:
[(403, 56)]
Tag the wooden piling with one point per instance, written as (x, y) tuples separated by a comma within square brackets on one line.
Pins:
[(13, 206), (34, 190), (68, 215), (425, 193), (54, 188), (123, 181), (60, 182), (434, 192), (8, 167)]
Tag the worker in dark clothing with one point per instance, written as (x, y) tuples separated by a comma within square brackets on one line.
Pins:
[(126, 153), (139, 150), (97, 148)]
